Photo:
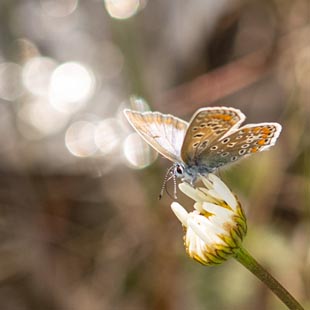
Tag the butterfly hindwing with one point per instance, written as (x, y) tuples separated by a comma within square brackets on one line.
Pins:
[(244, 141), (207, 126), (164, 132)]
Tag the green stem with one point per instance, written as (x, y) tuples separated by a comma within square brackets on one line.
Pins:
[(243, 257)]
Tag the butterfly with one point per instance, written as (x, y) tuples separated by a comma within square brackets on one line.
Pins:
[(212, 138)]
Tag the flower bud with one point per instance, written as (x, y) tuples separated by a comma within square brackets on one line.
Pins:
[(215, 229)]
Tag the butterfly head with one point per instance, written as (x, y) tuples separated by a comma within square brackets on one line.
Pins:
[(186, 173), (179, 170)]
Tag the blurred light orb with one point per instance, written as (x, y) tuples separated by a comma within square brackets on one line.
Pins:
[(79, 139), (10, 81), (37, 73), (42, 117), (138, 104), (58, 8), (108, 135), (137, 152), (72, 84), (123, 9)]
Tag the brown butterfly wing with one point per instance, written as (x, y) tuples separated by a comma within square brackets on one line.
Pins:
[(206, 126), (245, 141)]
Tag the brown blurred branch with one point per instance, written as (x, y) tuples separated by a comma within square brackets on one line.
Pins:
[(215, 85), (231, 78)]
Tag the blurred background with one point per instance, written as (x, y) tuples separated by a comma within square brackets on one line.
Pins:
[(81, 226)]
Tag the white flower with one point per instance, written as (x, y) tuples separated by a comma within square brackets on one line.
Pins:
[(215, 229)]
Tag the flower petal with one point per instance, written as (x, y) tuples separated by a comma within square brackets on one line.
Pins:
[(223, 191), (224, 213), (191, 192), (180, 213), (206, 231)]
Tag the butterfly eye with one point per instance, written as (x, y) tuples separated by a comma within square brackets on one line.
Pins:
[(179, 170)]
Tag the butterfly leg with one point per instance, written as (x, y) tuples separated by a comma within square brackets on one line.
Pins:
[(169, 175), (193, 181)]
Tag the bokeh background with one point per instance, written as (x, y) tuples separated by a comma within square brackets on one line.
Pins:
[(80, 223)]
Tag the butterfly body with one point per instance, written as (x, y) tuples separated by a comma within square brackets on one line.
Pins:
[(212, 138)]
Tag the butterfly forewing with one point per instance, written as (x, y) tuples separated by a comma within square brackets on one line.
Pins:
[(164, 132), (207, 126), (246, 140)]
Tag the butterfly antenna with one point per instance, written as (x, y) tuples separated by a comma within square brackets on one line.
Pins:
[(166, 179), (172, 176), (174, 187)]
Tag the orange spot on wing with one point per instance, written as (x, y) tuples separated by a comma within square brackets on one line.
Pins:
[(266, 130), (254, 149), (223, 117), (261, 142)]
